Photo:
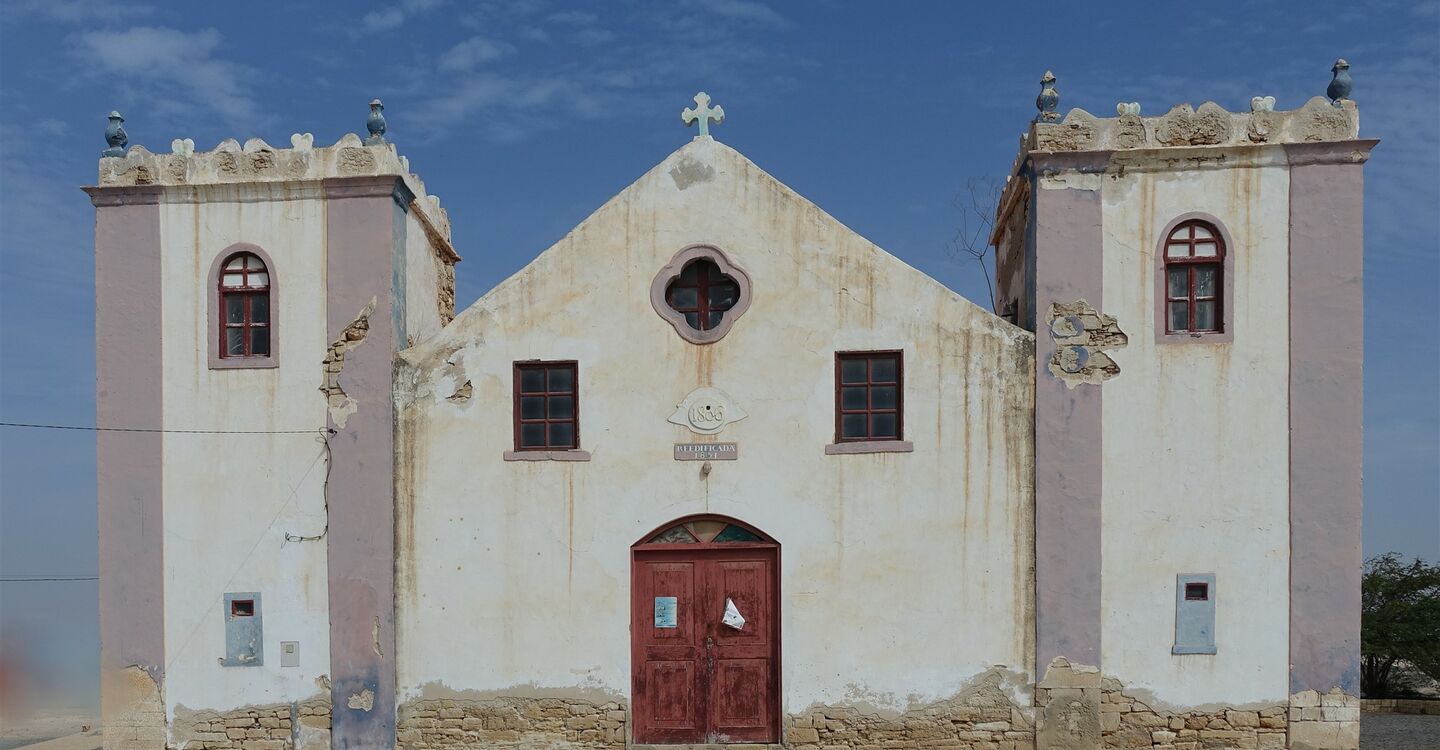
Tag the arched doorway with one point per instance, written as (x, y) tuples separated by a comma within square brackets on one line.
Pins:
[(705, 633)]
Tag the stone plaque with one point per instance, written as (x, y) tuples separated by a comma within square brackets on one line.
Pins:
[(705, 452), (707, 411)]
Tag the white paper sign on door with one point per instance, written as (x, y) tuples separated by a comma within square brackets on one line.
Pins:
[(732, 616)]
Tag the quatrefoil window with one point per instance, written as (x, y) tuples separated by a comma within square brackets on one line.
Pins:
[(701, 293)]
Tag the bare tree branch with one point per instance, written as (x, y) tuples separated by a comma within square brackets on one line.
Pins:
[(977, 203)]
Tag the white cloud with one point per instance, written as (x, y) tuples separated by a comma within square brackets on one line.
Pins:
[(473, 51), (744, 10), (77, 11), (573, 18), (175, 72), (383, 20), (394, 17)]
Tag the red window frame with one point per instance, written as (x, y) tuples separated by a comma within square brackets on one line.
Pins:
[(247, 293), (546, 393), (869, 384), (1183, 235), (708, 274)]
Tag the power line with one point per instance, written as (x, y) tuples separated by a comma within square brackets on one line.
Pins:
[(151, 429), (28, 579)]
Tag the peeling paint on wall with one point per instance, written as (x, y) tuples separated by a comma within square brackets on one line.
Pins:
[(341, 405), (363, 700), (1081, 335)]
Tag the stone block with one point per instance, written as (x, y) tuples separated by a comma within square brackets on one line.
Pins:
[(1305, 699), (801, 735), (1243, 718), (1325, 735), (1109, 722), (1340, 713)]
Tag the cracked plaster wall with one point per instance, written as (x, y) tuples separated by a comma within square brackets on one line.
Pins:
[(222, 491), (1195, 438), (865, 538)]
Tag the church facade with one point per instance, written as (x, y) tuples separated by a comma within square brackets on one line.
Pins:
[(714, 469)]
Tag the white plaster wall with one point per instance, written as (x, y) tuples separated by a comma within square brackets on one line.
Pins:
[(230, 499), (903, 575), (1196, 469), (421, 283)]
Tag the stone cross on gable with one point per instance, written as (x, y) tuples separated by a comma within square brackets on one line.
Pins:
[(703, 112)]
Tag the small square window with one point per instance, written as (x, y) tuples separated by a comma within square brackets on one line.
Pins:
[(547, 406), (242, 607), (869, 396), (1197, 592)]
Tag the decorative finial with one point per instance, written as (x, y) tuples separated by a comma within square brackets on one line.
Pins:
[(704, 113), (375, 123), (1127, 109), (1339, 88), (115, 136), (1262, 104), (1048, 99)]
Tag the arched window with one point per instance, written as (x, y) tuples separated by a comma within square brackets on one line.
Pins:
[(1194, 278), (703, 294), (244, 307)]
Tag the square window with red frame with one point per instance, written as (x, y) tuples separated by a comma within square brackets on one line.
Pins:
[(547, 406), (869, 396)]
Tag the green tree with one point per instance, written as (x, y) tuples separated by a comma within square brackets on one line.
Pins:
[(1400, 622)]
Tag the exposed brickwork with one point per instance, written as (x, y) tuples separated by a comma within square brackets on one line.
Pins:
[(982, 718), (1324, 721), (282, 726), (1126, 722), (134, 714), (510, 722)]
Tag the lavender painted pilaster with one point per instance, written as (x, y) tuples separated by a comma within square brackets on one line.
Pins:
[(1326, 388), (365, 227), (129, 393)]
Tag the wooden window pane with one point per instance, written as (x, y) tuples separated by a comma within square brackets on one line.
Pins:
[(1205, 278), (1205, 315), (562, 380), (883, 426), (882, 370), (882, 397), (1179, 281), (260, 308), (713, 321), (690, 274), (562, 435), (532, 435), (684, 298), (853, 426), (236, 263), (1201, 231), (532, 407), (733, 533), (260, 342), (692, 319), (562, 407), (1206, 250), (233, 280), (723, 296), (234, 308), (532, 380), (852, 370), (235, 342), (1179, 316), (1177, 251), (852, 398)]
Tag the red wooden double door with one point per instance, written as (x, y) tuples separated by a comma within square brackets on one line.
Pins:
[(696, 678)]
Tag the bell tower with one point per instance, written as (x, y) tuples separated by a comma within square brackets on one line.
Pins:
[(1194, 283)]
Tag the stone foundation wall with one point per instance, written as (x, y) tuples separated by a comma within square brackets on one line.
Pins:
[(282, 726), (1324, 721), (982, 718), (510, 723), (1127, 722)]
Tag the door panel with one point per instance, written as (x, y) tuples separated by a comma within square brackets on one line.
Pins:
[(670, 655), (701, 681)]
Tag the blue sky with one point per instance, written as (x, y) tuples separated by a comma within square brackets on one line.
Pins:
[(525, 116)]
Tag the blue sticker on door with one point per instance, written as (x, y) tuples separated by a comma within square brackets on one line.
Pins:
[(665, 610)]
